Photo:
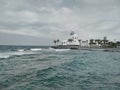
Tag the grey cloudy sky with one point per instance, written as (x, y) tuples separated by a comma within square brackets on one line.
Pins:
[(39, 22)]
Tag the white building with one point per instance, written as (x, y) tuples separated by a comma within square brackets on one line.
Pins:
[(73, 40)]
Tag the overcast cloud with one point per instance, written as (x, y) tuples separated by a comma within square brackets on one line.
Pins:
[(39, 22)]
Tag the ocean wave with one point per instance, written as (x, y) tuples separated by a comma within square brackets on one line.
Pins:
[(60, 50), (49, 49), (5, 55), (52, 49), (21, 50), (35, 49)]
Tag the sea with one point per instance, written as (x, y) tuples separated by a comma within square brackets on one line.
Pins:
[(44, 68)]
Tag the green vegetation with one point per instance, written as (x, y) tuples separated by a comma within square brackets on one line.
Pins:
[(104, 43)]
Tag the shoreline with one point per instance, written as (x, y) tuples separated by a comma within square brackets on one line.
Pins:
[(102, 49), (87, 48)]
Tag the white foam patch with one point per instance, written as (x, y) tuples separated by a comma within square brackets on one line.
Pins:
[(35, 49), (21, 50), (4, 56), (60, 50), (51, 49), (9, 54)]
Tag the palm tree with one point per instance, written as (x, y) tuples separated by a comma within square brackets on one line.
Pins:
[(70, 40), (79, 40), (98, 41), (55, 42), (58, 40), (105, 41), (91, 41)]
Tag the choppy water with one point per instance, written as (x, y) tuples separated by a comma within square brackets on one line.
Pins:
[(42, 68)]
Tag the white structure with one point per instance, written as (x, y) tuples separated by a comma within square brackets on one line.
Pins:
[(72, 41), (85, 43)]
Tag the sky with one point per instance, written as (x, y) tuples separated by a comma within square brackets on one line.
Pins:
[(39, 22)]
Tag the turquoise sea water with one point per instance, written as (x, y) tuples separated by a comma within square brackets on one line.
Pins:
[(43, 68)]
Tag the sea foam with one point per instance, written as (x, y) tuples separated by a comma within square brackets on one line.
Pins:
[(35, 49), (10, 54), (21, 50), (59, 50)]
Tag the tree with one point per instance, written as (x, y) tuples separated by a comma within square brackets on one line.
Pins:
[(55, 42), (105, 41), (99, 41), (79, 40), (91, 41), (58, 40), (70, 40)]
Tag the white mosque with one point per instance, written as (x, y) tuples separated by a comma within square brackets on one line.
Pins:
[(72, 42)]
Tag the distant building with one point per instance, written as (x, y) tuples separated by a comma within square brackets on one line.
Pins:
[(85, 43), (118, 44), (74, 42)]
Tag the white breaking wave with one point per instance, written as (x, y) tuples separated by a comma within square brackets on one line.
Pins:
[(59, 50), (21, 50), (4, 56), (10, 54), (35, 49), (52, 49)]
